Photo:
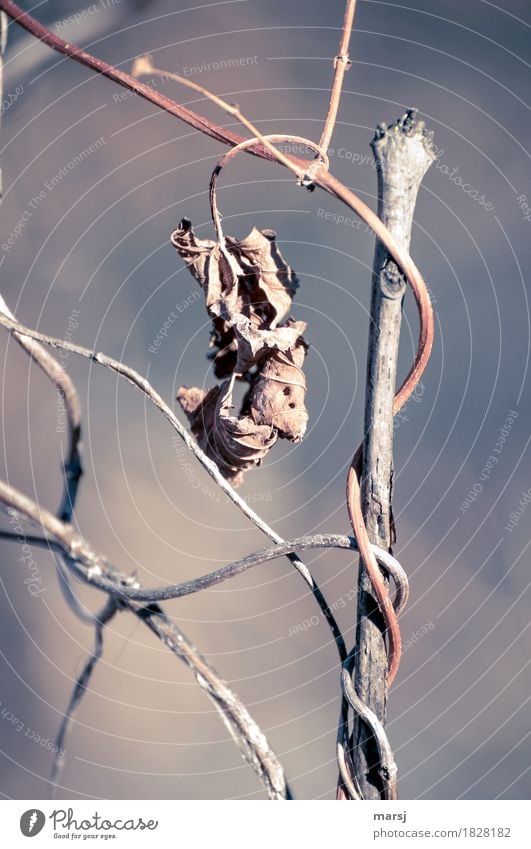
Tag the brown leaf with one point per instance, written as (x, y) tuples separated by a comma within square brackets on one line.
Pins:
[(235, 444), (246, 278), (213, 267), (277, 397), (270, 281), (255, 345), (248, 291)]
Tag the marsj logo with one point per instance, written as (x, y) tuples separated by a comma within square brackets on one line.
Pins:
[(32, 822)]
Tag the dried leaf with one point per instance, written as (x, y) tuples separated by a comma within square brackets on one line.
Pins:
[(255, 345), (246, 278), (248, 291), (277, 396), (235, 444), (270, 281)]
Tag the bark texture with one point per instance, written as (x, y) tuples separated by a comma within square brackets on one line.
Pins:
[(403, 154)]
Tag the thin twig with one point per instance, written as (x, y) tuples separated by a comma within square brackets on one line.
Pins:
[(95, 570), (80, 689), (98, 573), (273, 138), (72, 466), (70, 398), (242, 727), (143, 67), (341, 64), (209, 465), (319, 177), (386, 764)]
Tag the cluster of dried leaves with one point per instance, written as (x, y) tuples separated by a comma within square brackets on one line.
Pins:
[(249, 291)]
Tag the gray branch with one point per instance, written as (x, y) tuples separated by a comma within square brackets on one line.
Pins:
[(245, 732), (144, 386), (402, 154), (80, 688), (72, 466), (96, 572)]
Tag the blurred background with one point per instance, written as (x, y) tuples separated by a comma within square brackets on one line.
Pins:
[(93, 264)]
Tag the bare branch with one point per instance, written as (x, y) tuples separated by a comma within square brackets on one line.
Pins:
[(145, 387), (342, 64), (144, 67), (245, 732), (319, 174), (68, 393), (319, 177), (80, 689), (95, 570), (402, 155), (310, 175), (72, 466), (386, 764)]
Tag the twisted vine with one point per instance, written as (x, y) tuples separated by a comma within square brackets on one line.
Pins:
[(310, 174)]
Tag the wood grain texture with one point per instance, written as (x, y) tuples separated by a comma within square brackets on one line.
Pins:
[(402, 153)]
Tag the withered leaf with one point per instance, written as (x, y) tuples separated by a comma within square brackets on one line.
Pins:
[(246, 277), (248, 290), (235, 444), (254, 345), (277, 396), (271, 282)]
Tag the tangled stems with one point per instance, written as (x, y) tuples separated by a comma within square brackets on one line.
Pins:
[(143, 385), (311, 174)]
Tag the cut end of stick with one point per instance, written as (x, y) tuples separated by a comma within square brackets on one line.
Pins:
[(142, 66)]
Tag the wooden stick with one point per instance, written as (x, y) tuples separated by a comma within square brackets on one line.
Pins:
[(403, 155)]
